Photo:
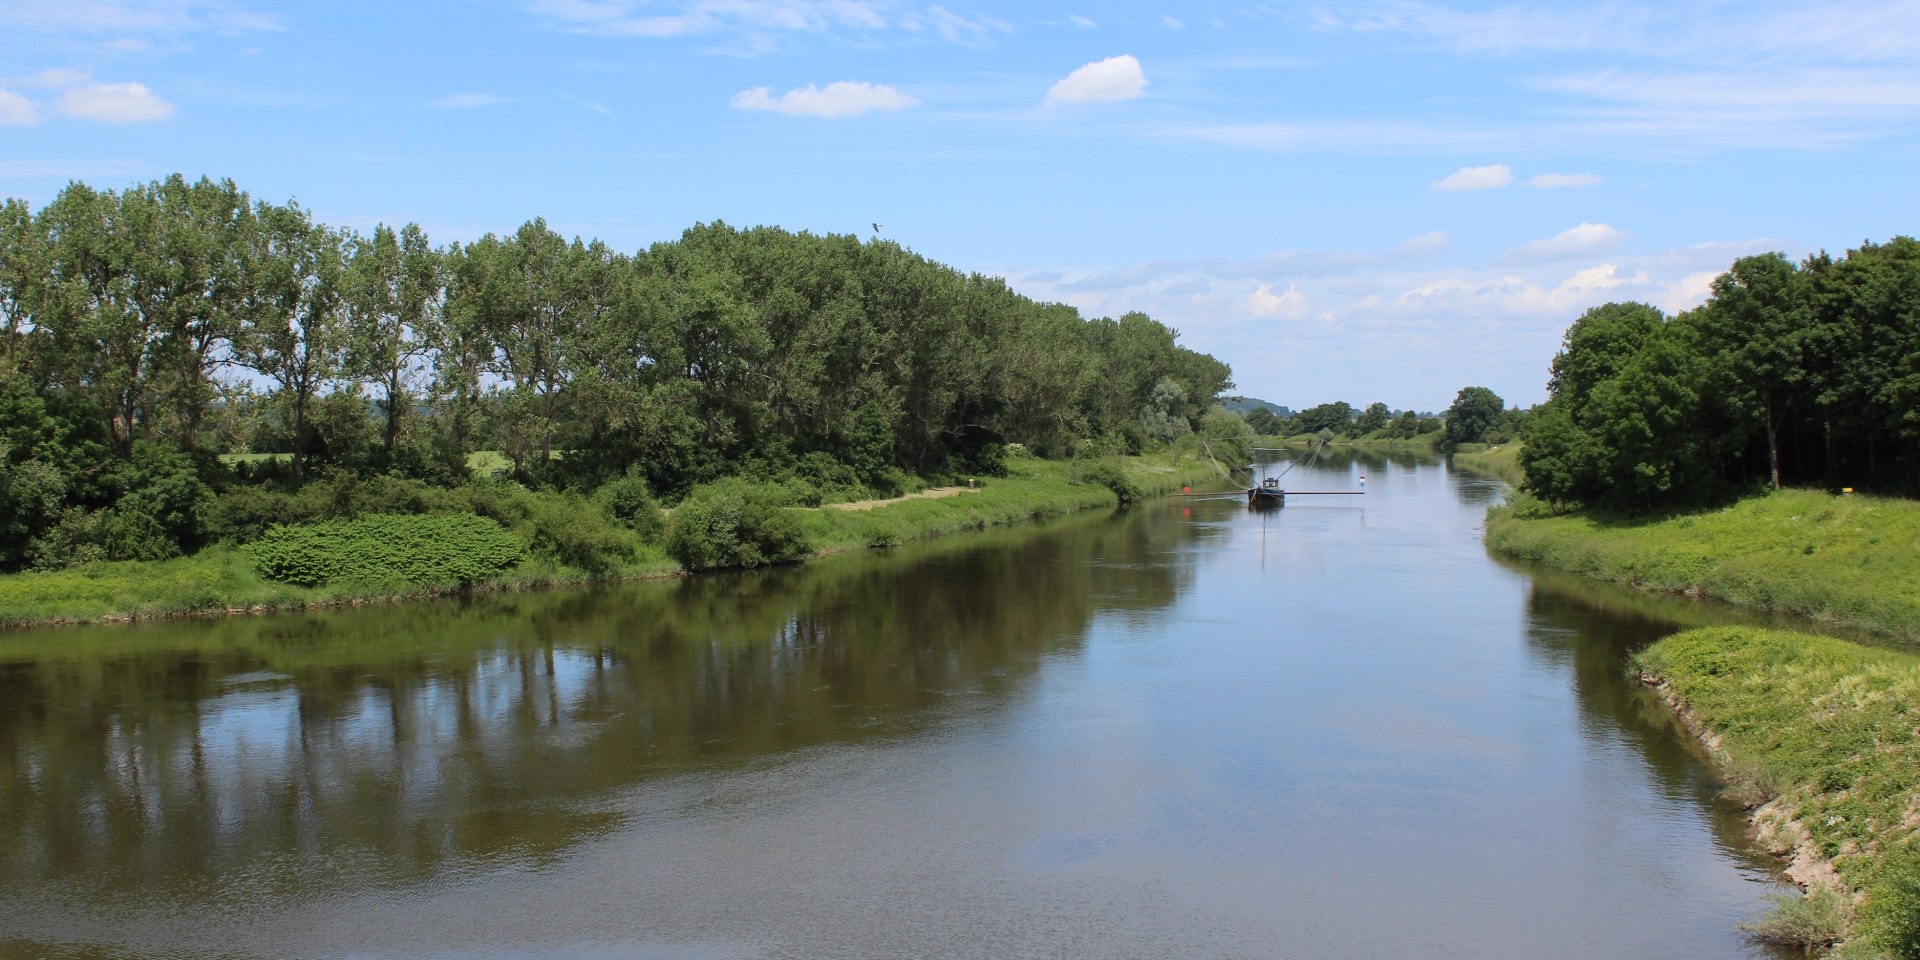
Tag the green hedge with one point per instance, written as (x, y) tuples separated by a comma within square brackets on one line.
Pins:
[(422, 550)]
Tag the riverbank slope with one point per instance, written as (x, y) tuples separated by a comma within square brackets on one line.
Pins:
[(1818, 737), (222, 579), (1843, 561)]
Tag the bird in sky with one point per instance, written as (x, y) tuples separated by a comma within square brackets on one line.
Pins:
[(876, 228)]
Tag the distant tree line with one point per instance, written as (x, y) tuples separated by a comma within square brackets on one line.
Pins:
[(1790, 373), (148, 330), (1478, 415)]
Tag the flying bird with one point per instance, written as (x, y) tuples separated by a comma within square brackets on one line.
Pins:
[(876, 228)]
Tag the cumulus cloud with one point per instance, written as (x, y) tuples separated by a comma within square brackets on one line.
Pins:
[(1583, 240), (1551, 181), (843, 99), (1490, 177), (1289, 304), (1104, 81), (113, 103), (16, 110), (465, 101)]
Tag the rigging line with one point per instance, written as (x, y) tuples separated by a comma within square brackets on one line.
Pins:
[(1204, 445)]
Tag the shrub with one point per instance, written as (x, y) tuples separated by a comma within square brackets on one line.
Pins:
[(1812, 922), (566, 528), (430, 550), (734, 523), (1105, 473), (630, 503)]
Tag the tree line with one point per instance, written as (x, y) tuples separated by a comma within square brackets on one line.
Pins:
[(1789, 373), (1477, 415), (151, 329)]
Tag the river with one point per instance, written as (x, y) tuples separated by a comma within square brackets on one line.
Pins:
[(1337, 729)]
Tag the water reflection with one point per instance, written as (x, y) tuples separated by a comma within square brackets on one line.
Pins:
[(391, 745)]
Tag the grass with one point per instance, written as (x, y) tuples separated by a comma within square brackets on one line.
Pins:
[(223, 579), (1033, 489), (1501, 462), (1829, 727), (1845, 561)]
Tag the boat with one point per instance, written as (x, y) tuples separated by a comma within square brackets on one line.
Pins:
[(1267, 494)]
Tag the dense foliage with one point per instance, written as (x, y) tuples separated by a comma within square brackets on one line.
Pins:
[(734, 523), (147, 334), (1805, 373), (432, 550)]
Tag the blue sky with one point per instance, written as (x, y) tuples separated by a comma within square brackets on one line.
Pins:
[(1352, 201)]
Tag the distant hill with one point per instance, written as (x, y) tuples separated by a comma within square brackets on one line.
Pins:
[(1246, 405)]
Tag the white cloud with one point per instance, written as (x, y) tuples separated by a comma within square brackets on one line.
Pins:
[(1172, 24), (1551, 181), (1583, 240), (842, 99), (113, 103), (1490, 177), (1687, 292), (1424, 247), (976, 31), (57, 78), (1288, 305), (466, 101), (16, 110), (1104, 81), (1081, 22)]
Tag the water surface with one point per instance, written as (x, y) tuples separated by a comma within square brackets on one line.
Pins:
[(1338, 729)]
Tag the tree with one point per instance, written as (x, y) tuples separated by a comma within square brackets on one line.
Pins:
[(1263, 421), (1376, 417), (296, 325), (1474, 410), (1753, 328), (1165, 415), (394, 292), (1334, 417)]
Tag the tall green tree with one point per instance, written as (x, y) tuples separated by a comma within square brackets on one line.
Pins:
[(296, 331), (1474, 409), (1753, 328), (394, 293)]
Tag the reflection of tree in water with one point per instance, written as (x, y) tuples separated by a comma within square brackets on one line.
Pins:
[(1587, 632), (1473, 489), (380, 745)]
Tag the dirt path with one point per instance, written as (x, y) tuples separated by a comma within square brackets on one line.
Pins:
[(933, 494)]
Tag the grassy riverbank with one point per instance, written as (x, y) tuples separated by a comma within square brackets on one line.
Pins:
[(1819, 736), (1842, 560), (223, 579), (1500, 462)]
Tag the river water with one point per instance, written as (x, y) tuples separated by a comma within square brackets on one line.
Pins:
[(1338, 729)]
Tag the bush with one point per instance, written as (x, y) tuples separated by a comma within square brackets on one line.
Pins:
[(1812, 922), (566, 528), (630, 503), (431, 550), (1106, 473), (734, 523)]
